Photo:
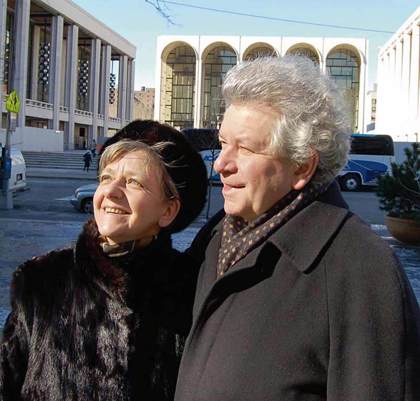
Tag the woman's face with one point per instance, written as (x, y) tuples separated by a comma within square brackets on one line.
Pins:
[(129, 203)]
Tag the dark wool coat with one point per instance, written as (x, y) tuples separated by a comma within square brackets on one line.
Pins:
[(320, 311), (87, 327)]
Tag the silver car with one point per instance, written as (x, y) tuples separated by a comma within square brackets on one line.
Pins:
[(82, 198)]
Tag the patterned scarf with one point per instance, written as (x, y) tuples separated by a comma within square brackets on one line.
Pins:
[(240, 237)]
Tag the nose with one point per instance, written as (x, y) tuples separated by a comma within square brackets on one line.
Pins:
[(225, 164), (113, 190)]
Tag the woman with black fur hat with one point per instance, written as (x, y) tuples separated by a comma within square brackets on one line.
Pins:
[(105, 320)]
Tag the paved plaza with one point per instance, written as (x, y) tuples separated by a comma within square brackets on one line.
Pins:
[(22, 239)]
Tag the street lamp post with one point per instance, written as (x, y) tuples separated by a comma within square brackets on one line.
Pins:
[(6, 197)]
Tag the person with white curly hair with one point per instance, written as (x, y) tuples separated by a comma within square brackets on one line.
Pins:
[(297, 299)]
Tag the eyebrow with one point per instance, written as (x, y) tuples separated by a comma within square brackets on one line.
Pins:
[(242, 140), (134, 173)]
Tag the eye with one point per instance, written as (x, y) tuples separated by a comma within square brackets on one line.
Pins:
[(222, 142), (133, 182), (245, 150), (104, 178)]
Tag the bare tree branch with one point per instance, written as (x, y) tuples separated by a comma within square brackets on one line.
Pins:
[(157, 4)]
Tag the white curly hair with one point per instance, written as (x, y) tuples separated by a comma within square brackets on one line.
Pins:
[(311, 114)]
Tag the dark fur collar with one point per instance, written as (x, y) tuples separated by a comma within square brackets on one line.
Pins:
[(144, 265)]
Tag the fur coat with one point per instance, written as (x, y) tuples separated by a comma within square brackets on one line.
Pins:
[(84, 326)]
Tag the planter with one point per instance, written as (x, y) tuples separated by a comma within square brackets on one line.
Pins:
[(404, 230)]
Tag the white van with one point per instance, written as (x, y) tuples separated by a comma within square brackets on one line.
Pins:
[(18, 174)]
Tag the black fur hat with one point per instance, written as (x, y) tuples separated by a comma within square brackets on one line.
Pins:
[(187, 169)]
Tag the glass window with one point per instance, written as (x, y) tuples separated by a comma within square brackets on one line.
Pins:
[(260, 51), (343, 66), (217, 63), (305, 52), (179, 81)]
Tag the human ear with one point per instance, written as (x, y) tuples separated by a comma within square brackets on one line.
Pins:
[(305, 172), (170, 212)]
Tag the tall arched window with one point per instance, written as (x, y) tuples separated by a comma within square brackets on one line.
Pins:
[(177, 89), (259, 50), (218, 61), (305, 51), (343, 66)]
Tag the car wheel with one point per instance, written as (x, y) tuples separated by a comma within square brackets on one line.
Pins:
[(87, 205), (350, 182)]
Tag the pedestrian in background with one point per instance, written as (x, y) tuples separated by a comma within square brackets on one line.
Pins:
[(87, 159), (106, 320), (297, 299), (93, 150)]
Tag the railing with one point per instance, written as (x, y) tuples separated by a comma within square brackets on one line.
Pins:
[(39, 104), (100, 116), (83, 113), (65, 109), (115, 119)]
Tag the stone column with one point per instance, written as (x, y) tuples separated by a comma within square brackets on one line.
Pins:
[(54, 93), (382, 90), (397, 77), (3, 15), (104, 101), (20, 55), (130, 90), (71, 78), (362, 89), (388, 85), (122, 89), (197, 92), (405, 79), (133, 81), (414, 95), (36, 40), (95, 59)]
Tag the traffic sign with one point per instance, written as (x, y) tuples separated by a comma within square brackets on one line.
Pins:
[(13, 102)]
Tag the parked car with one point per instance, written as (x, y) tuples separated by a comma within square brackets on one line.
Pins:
[(82, 199)]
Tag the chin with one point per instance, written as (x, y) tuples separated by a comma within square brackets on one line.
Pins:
[(108, 230)]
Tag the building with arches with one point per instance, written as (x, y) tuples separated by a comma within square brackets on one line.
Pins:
[(191, 69), (67, 68), (398, 99)]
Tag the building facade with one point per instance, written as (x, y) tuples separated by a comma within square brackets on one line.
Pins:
[(190, 71), (371, 102), (398, 108), (144, 104), (66, 67)]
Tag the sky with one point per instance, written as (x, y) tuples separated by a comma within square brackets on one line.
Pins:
[(140, 23)]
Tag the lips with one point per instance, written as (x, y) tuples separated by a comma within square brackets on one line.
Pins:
[(231, 187)]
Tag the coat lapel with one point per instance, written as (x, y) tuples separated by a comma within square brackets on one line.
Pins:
[(305, 236)]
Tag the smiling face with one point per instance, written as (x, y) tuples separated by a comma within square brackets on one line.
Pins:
[(130, 203), (253, 179)]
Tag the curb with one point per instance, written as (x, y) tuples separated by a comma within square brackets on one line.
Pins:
[(60, 174)]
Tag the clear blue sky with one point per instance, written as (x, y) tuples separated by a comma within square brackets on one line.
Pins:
[(140, 23)]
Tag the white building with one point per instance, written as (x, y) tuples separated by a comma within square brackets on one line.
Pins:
[(65, 66), (370, 113), (190, 70), (398, 107)]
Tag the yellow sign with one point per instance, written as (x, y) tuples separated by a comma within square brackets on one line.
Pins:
[(13, 102)]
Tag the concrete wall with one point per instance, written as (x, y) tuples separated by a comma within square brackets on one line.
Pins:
[(15, 140), (41, 140)]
